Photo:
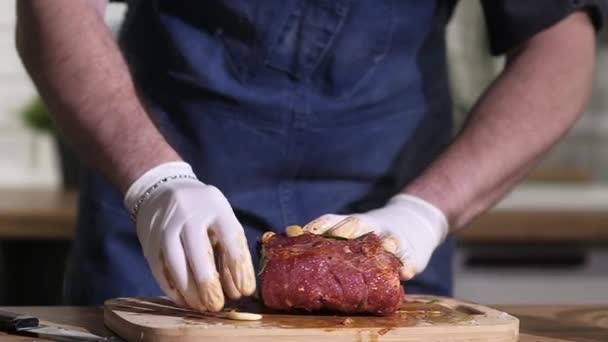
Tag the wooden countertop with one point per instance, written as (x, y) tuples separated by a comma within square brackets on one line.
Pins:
[(545, 212), (37, 214), (537, 323), (530, 213)]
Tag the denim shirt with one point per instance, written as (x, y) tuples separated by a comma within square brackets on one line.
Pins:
[(292, 108)]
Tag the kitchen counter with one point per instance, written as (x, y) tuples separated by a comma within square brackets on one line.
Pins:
[(538, 323), (532, 212), (545, 212), (37, 214)]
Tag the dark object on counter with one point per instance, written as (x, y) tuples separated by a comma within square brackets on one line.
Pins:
[(30, 326), (14, 322), (312, 272)]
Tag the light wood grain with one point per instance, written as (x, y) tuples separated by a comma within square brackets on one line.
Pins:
[(422, 318)]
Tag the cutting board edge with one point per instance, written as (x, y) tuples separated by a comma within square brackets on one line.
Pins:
[(133, 333), (505, 329)]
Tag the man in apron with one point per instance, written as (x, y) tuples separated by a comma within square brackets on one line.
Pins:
[(272, 113)]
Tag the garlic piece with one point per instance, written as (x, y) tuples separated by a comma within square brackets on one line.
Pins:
[(266, 236), (243, 316), (294, 230)]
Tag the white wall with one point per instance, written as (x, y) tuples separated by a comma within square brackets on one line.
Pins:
[(26, 158)]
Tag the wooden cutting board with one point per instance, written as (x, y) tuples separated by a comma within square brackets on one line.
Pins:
[(422, 318)]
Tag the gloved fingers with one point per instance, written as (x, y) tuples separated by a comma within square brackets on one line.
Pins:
[(169, 283), (166, 287), (236, 256), (351, 227), (151, 246), (227, 282), (177, 265), (402, 248), (156, 261), (323, 223), (391, 244), (199, 254)]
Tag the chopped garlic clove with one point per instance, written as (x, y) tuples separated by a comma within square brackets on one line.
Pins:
[(266, 236), (294, 230), (243, 316)]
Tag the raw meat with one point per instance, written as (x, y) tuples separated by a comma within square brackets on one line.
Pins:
[(312, 272)]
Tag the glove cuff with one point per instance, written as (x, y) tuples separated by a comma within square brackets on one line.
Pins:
[(151, 180)]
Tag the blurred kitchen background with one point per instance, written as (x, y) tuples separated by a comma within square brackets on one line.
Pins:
[(547, 242)]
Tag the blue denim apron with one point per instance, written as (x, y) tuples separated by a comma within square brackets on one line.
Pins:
[(292, 108)]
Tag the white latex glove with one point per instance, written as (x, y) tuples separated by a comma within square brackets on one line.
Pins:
[(409, 227), (178, 221)]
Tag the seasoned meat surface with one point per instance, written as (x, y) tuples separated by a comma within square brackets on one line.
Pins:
[(312, 272)]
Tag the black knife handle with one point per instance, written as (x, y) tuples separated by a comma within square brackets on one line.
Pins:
[(11, 322)]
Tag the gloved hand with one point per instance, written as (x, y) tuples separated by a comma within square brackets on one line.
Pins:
[(178, 220), (409, 227)]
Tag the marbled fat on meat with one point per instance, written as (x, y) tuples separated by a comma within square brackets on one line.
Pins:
[(312, 272)]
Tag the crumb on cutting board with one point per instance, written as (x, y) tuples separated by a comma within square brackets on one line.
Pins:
[(347, 321)]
